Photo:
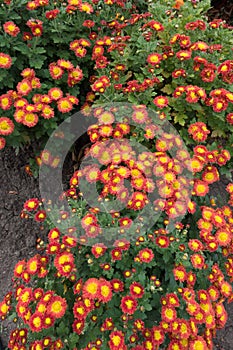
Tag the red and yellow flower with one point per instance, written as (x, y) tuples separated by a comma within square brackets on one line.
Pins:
[(5, 61), (6, 126), (129, 304), (57, 306)]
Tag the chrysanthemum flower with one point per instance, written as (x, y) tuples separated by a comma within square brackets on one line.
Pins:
[(5, 102), (31, 204), (136, 290), (36, 322), (18, 115), (117, 285), (25, 296), (106, 117), (64, 105), (78, 326), (105, 291), (155, 25), (40, 216), (200, 188), (52, 14), (11, 28), (98, 250), (198, 344), (79, 310), (20, 267), (5, 60), (56, 306), (24, 87), (162, 241), (195, 245), (91, 288), (116, 254), (47, 111), (6, 126), (223, 236), (154, 58), (33, 265), (198, 261), (56, 72), (160, 101), (123, 244), (168, 313), (116, 340), (4, 308), (128, 305), (183, 55), (146, 255), (30, 119), (85, 7), (55, 93), (179, 273)]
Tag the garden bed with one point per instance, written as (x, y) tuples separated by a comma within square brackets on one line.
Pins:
[(19, 237), (187, 260)]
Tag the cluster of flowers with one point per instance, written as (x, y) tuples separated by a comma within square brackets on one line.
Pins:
[(28, 113), (203, 306)]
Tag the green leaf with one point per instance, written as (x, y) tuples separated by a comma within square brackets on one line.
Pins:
[(148, 307), (218, 133), (167, 89), (180, 118)]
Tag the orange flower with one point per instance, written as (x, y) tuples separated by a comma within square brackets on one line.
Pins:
[(30, 119), (160, 101), (56, 306), (197, 260), (179, 273), (11, 28), (5, 61), (106, 117), (55, 93), (157, 335), (64, 105), (4, 308), (33, 265), (146, 255), (198, 344), (85, 7), (200, 188), (105, 291), (6, 126), (36, 322), (223, 236), (56, 72), (91, 288), (168, 313), (178, 4), (195, 245), (79, 310), (5, 102), (24, 87), (154, 58), (117, 285)]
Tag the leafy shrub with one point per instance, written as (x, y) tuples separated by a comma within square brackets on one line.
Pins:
[(47, 57), (155, 272)]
